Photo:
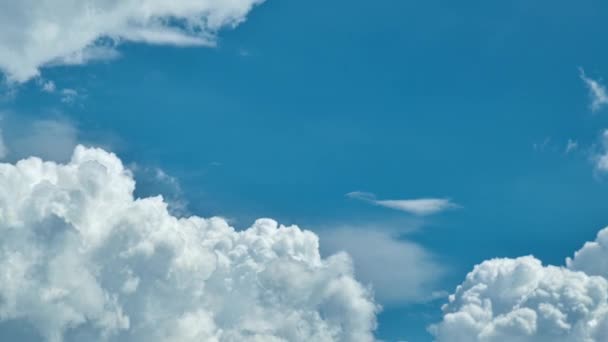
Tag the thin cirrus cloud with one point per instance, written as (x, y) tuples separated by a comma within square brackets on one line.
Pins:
[(597, 92), (38, 33), (420, 206)]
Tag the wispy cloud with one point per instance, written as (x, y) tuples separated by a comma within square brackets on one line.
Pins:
[(153, 181), (419, 206), (540, 147), (47, 86), (597, 92), (571, 146), (415, 275), (601, 159), (68, 95), (67, 32), (49, 137)]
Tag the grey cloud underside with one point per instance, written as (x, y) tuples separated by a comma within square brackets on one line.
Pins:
[(82, 259)]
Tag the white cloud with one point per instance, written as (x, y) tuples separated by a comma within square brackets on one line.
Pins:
[(571, 146), (82, 259), (398, 270), (47, 86), (522, 300), (592, 258), (88, 54), (35, 33), (422, 206), (155, 180), (597, 92), (68, 95), (601, 159)]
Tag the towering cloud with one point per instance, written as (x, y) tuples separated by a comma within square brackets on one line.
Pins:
[(522, 300), (34, 33), (82, 259)]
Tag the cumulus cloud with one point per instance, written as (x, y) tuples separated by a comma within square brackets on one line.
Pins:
[(421, 206), (597, 92), (408, 272), (522, 300), (154, 180), (592, 258), (82, 259), (35, 33)]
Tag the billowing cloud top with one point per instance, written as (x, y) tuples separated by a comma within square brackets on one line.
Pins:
[(82, 260), (522, 300), (34, 33)]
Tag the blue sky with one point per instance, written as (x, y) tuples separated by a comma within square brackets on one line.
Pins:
[(305, 102)]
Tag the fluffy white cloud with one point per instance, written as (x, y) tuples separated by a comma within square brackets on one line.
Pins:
[(597, 92), (522, 300), (34, 33), (82, 259), (592, 258), (421, 206)]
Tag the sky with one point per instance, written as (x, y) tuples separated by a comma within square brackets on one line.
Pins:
[(457, 152)]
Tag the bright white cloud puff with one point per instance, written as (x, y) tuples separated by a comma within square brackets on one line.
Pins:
[(35, 33), (522, 300), (83, 260)]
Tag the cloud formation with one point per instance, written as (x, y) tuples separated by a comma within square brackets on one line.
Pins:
[(82, 259), (571, 146), (421, 206), (597, 92), (522, 300), (408, 273), (601, 159), (36, 33), (48, 138)]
